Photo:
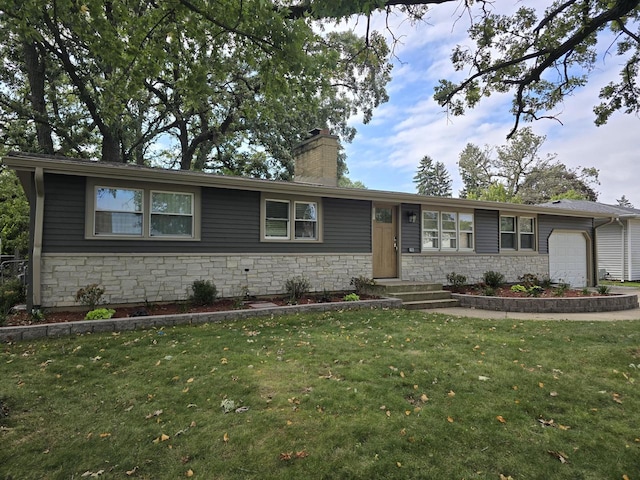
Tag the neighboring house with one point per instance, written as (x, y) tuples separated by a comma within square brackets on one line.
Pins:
[(146, 234), (617, 237)]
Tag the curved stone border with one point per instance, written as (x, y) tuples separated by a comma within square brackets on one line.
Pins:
[(610, 303), (30, 332)]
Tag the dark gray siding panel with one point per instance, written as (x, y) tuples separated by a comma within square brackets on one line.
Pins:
[(548, 223), (487, 224), (410, 231), (230, 223)]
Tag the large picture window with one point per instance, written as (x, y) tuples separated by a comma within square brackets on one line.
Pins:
[(447, 231), (123, 211), (290, 219), (517, 233)]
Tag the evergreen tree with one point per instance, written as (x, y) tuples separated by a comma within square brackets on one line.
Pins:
[(624, 202), (432, 178)]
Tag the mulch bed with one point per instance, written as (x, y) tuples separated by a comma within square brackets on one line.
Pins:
[(507, 292), (51, 316)]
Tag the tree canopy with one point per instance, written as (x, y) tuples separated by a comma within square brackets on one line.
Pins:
[(432, 178)]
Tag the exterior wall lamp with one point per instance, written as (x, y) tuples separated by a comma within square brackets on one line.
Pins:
[(412, 216)]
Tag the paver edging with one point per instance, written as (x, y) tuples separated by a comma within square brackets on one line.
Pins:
[(609, 303), (31, 332)]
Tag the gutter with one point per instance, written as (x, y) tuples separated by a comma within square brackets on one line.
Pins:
[(36, 265)]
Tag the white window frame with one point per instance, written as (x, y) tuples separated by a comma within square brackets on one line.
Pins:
[(152, 214), (92, 186), (96, 210), (288, 220), (517, 233), (292, 202), (297, 220), (454, 234)]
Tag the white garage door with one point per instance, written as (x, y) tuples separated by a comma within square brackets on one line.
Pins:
[(568, 258)]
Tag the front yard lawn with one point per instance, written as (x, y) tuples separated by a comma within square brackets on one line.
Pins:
[(353, 395)]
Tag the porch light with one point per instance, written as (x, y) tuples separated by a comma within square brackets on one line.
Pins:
[(412, 216)]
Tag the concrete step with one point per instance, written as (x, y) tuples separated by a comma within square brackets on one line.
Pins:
[(392, 286), (430, 304)]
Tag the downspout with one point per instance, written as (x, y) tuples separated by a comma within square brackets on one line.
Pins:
[(36, 266), (622, 247)]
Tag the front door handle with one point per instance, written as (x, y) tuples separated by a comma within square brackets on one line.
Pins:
[(395, 243)]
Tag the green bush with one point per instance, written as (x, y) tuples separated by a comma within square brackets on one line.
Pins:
[(488, 291), (90, 296), (493, 279), (99, 314), (204, 292), (296, 287), (561, 289), (457, 281), (363, 285), (535, 291), (603, 289), (351, 297), (519, 288), (11, 293)]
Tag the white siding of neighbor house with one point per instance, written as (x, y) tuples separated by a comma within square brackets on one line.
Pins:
[(609, 250), (634, 244)]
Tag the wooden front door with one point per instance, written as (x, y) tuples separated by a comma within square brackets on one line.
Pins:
[(385, 241)]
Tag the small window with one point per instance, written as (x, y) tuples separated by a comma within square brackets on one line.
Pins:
[(430, 230), (306, 221), (118, 211), (508, 232), (465, 229), (449, 230), (384, 215), (171, 214), (527, 233), (277, 219)]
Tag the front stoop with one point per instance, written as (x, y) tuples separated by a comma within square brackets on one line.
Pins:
[(418, 295)]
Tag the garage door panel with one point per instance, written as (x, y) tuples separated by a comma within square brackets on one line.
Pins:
[(568, 258)]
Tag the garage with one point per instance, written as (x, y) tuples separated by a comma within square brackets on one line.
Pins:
[(568, 258)]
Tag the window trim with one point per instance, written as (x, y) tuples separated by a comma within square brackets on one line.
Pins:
[(292, 200), (517, 233), (93, 184), (152, 213), (440, 230)]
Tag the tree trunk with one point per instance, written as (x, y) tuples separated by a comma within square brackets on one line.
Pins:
[(34, 64), (110, 147)]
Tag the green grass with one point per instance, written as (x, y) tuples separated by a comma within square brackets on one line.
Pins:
[(351, 395), (619, 284)]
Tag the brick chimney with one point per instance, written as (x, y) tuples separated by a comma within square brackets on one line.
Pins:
[(316, 159)]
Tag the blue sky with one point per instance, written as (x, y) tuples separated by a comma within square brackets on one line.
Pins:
[(385, 153)]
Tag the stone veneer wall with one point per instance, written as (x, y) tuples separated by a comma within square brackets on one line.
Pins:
[(134, 278), (434, 268)]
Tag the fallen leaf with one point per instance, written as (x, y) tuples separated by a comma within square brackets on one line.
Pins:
[(553, 394), (546, 423), (105, 435), (302, 454), (502, 477), (189, 473), (560, 456), (190, 380), (286, 456), (616, 398), (424, 397), (451, 393), (388, 413), (132, 471), (224, 361), (154, 414), (501, 419), (402, 374), (541, 385), (450, 419), (225, 437), (407, 412), (398, 464), (164, 437), (482, 378)]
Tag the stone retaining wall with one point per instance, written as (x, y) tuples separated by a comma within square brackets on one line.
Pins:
[(15, 334), (133, 278), (609, 303), (436, 267)]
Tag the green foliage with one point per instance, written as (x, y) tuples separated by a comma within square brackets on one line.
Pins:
[(432, 178), (100, 314), (11, 293), (519, 288), (561, 289), (296, 288), (535, 291), (351, 297), (529, 279), (14, 214), (493, 279), (603, 289), (488, 291), (90, 296), (456, 280), (203, 293), (363, 285)]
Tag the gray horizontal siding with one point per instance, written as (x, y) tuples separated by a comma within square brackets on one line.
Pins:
[(487, 225), (548, 223), (230, 223), (410, 232)]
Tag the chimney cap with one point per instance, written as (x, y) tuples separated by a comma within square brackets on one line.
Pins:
[(319, 131)]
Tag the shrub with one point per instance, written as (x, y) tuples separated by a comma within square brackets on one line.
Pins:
[(493, 279), (456, 280), (488, 291), (99, 314), (535, 291), (363, 285), (561, 289), (545, 282), (519, 288), (603, 289), (586, 292), (296, 287), (351, 297), (529, 280), (204, 292), (90, 296), (11, 293)]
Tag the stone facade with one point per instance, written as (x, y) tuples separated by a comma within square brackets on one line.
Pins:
[(134, 278), (434, 268)]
